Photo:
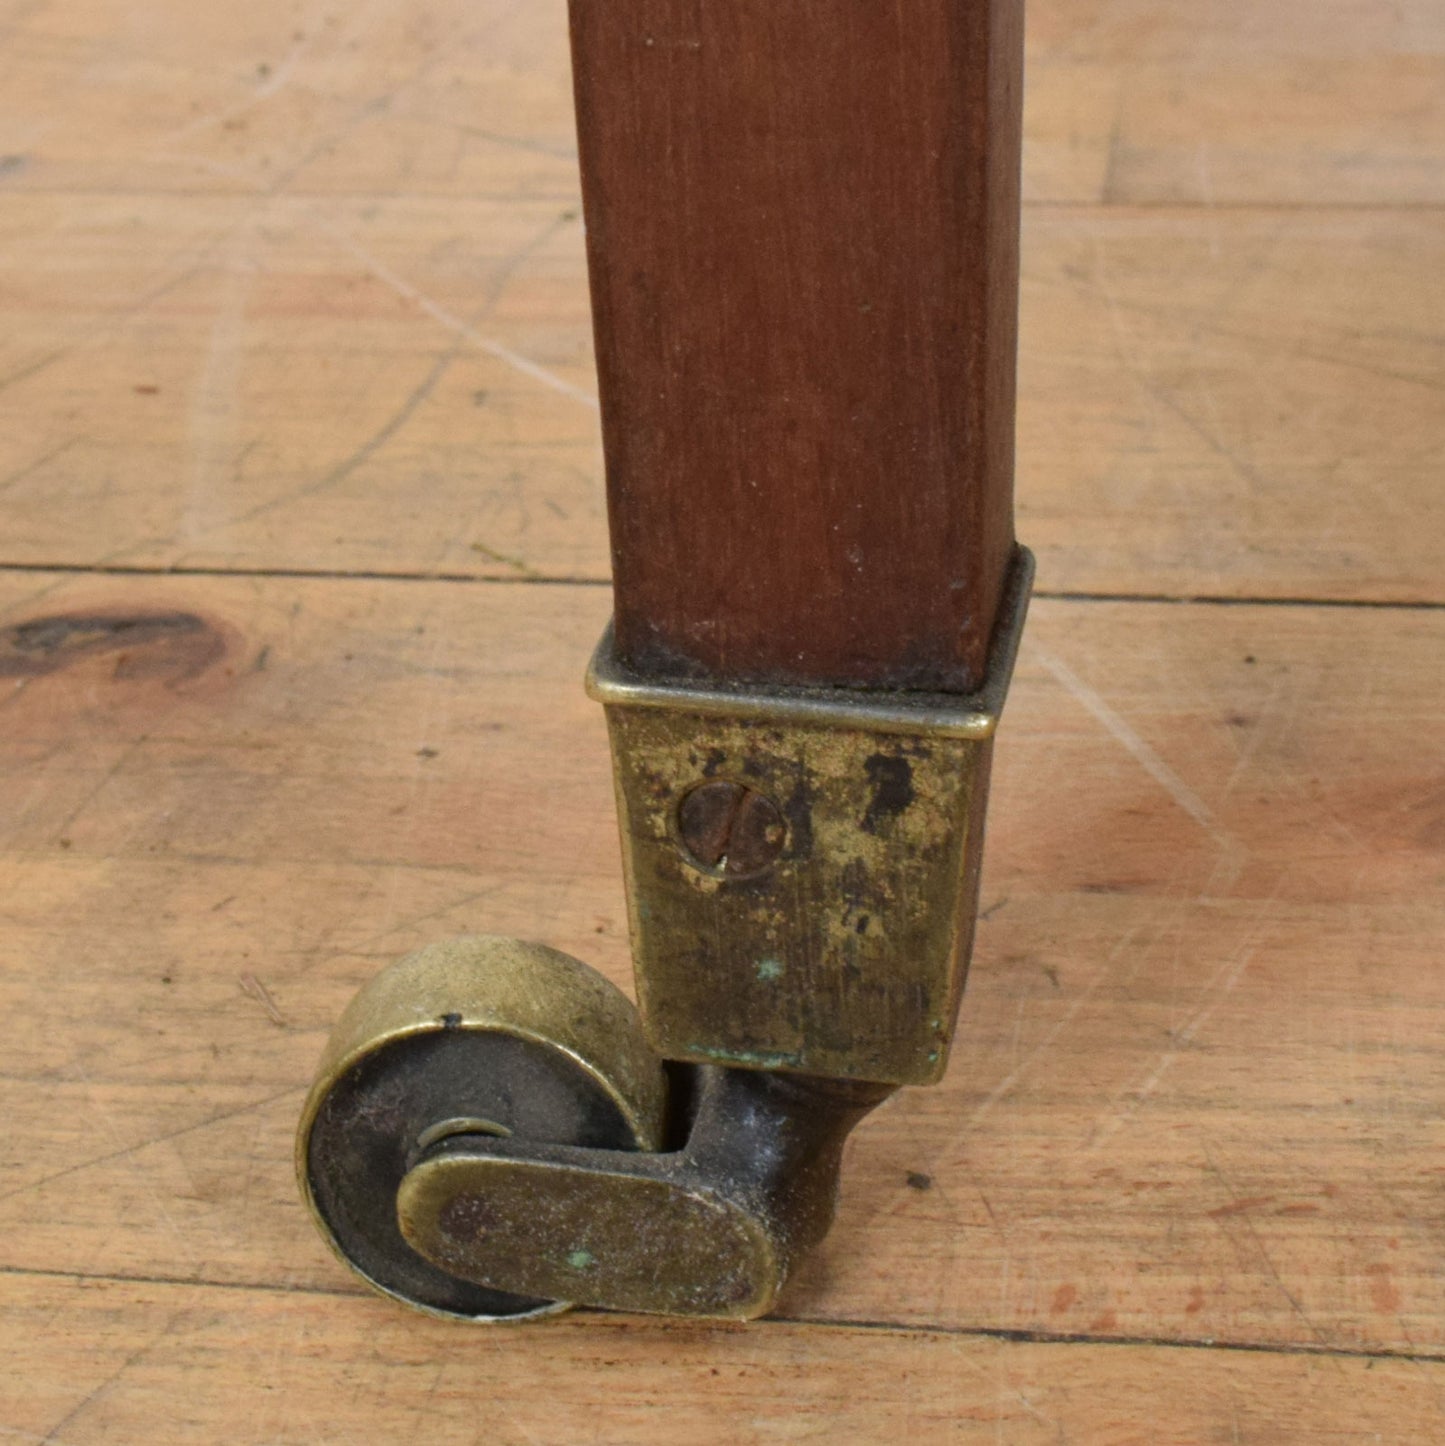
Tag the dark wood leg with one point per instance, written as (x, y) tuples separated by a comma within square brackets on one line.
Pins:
[(802, 222)]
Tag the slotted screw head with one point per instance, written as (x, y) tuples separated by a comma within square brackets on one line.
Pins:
[(731, 829)]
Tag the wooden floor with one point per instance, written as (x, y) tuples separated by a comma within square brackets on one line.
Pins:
[(303, 554)]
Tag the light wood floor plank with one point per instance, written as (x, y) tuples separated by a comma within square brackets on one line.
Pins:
[(1198, 1089), (293, 288), (199, 1364), (1129, 101), (1243, 404)]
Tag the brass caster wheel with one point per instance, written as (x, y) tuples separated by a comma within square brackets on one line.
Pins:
[(481, 1037)]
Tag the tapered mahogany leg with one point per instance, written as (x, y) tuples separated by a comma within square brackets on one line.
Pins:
[(802, 221)]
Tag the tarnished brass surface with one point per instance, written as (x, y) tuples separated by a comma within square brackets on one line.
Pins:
[(845, 955), (711, 1229), (593, 1232), (467, 1038), (506, 986)]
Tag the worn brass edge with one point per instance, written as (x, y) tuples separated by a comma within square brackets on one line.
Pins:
[(431, 1183), (946, 715)]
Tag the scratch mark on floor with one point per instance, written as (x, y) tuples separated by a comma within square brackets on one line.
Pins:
[(1217, 989), (1242, 469), (120, 1154), (506, 559), (1246, 1225), (364, 453), (1042, 1047), (272, 81), (528, 144), (105, 1386), (1120, 731), (252, 988), (33, 466), (455, 324), (109, 776), (110, 321), (213, 415)]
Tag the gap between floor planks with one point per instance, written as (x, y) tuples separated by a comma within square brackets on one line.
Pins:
[(304, 574), (840, 1323)]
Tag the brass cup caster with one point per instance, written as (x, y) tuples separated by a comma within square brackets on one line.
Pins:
[(494, 1133), (486, 1138)]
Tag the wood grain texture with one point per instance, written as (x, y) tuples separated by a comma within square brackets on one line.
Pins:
[(181, 1359), (284, 287), (1134, 102), (1198, 1081), (232, 348), (802, 227), (1130, 102), (1241, 404)]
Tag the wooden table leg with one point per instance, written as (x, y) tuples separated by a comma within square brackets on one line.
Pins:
[(802, 223)]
